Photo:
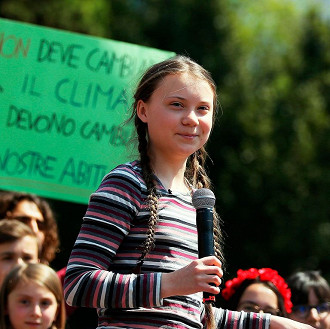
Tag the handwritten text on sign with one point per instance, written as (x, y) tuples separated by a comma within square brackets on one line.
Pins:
[(63, 99)]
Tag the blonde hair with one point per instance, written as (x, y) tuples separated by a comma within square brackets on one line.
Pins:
[(195, 172), (44, 276)]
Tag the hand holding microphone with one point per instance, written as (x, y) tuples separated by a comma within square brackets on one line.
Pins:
[(201, 274), (204, 200)]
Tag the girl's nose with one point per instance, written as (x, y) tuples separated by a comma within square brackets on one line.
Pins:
[(190, 118), (37, 310)]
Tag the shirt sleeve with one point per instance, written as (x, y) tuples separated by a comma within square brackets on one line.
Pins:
[(89, 279), (226, 319)]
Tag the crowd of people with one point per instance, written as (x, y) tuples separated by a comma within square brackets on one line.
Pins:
[(135, 258), (29, 234)]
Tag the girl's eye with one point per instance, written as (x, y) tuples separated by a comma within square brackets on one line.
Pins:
[(46, 303), (24, 301), (204, 108), (176, 104)]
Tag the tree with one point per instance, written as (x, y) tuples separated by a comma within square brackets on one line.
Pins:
[(270, 147)]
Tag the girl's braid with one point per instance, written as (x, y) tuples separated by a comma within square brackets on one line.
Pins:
[(197, 175), (152, 198)]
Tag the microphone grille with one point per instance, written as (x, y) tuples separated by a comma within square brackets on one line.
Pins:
[(203, 198)]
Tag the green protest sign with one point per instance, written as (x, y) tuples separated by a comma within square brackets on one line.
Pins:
[(63, 99)]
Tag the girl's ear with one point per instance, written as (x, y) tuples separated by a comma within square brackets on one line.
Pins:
[(141, 111)]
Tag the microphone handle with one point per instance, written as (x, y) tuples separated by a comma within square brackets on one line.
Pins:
[(204, 219)]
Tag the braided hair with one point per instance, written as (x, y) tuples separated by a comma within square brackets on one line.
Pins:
[(195, 173)]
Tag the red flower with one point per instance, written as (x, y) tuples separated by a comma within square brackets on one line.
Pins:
[(264, 274)]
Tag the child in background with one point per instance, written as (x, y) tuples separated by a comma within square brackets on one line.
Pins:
[(35, 212), (136, 256), (18, 245), (32, 297), (258, 290), (310, 298)]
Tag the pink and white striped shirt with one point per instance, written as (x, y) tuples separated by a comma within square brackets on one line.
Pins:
[(99, 272)]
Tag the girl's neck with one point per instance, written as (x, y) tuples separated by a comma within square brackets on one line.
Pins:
[(171, 175)]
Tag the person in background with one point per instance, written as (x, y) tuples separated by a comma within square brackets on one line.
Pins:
[(258, 290), (18, 245), (36, 213), (310, 298), (136, 256), (31, 297)]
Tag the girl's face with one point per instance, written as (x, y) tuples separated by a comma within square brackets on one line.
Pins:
[(256, 298), (179, 116), (31, 305)]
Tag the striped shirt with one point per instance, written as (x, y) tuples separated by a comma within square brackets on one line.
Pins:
[(99, 272)]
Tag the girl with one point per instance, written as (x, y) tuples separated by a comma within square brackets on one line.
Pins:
[(31, 297), (256, 290), (136, 256)]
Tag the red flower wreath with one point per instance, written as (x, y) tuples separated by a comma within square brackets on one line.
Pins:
[(264, 274)]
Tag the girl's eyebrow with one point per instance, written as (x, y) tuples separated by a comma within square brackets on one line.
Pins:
[(184, 98), (24, 295), (175, 96)]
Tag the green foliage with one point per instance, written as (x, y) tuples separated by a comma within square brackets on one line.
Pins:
[(270, 148), (87, 16), (273, 181)]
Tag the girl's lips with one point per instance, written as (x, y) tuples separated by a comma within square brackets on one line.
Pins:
[(188, 135)]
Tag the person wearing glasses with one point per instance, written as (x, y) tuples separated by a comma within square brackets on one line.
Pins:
[(258, 290), (35, 212), (310, 298)]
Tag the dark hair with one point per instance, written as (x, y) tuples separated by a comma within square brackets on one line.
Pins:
[(195, 172), (8, 203), (233, 302), (302, 282), (44, 276)]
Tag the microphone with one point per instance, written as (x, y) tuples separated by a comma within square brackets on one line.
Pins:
[(204, 200)]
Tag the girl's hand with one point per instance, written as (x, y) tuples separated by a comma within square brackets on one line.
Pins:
[(278, 322), (193, 278)]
